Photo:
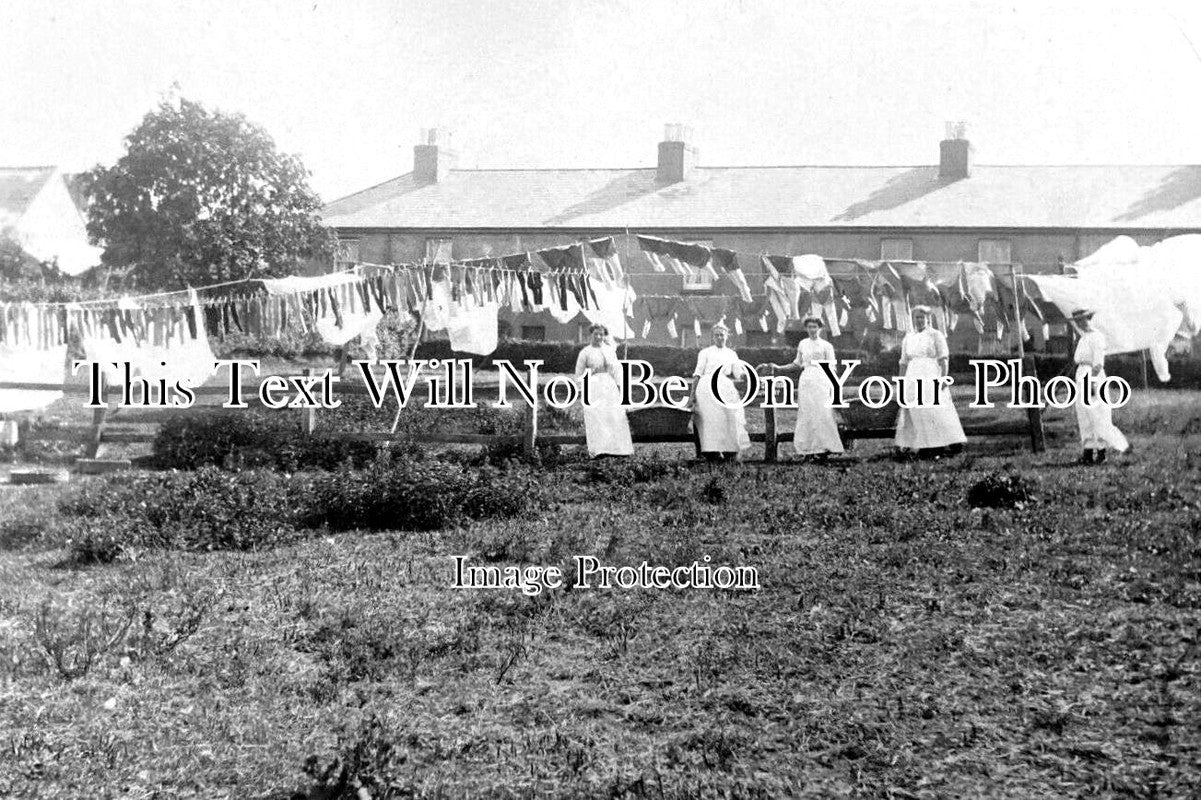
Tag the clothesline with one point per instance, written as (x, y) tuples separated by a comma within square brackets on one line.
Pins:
[(497, 264)]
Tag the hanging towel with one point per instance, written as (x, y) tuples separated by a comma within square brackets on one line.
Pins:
[(707, 310), (606, 250), (654, 249), (473, 328), (753, 313), (294, 284), (778, 301), (658, 310), (30, 364), (610, 308), (436, 308), (814, 279), (696, 256), (727, 261)]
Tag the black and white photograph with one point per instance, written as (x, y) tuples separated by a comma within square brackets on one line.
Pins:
[(654, 399)]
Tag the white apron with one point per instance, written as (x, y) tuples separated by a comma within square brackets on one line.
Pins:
[(932, 426), (816, 428), (721, 429), (605, 424), (1097, 430)]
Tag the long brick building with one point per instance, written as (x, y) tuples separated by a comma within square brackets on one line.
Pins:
[(1038, 216)]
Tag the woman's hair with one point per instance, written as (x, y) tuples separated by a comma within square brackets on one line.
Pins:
[(805, 322), (929, 312), (721, 326), (598, 327)]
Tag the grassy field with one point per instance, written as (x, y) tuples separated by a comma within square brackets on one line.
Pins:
[(903, 644)]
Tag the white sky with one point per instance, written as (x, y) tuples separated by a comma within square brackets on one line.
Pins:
[(535, 83)]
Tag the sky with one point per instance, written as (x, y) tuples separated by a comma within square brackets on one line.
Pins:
[(349, 85)]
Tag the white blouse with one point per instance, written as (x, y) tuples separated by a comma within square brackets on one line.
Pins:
[(598, 360), (714, 357), (929, 343), (810, 350), (1090, 349)]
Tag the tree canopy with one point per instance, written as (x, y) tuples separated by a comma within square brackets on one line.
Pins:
[(203, 197)]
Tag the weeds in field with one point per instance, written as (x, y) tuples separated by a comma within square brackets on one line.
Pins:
[(73, 640)]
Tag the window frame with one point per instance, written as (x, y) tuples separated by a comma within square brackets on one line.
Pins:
[(346, 249), (887, 240), (982, 243), (433, 249), (530, 328)]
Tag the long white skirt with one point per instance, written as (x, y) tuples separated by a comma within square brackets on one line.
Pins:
[(605, 423), (816, 428), (1097, 430), (722, 429), (930, 426)]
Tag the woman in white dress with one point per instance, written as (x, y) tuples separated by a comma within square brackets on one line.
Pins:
[(605, 424), (1097, 430), (924, 357), (816, 434), (722, 429)]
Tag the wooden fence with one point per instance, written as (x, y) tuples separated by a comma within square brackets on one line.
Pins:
[(104, 420)]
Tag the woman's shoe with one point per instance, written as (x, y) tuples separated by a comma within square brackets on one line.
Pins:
[(1086, 457), (1100, 459)]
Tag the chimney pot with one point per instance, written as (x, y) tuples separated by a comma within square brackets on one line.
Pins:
[(431, 160), (676, 157), (955, 153)]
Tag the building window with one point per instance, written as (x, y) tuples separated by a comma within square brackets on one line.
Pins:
[(995, 251), (347, 254), (439, 251), (896, 249), (701, 280), (533, 333)]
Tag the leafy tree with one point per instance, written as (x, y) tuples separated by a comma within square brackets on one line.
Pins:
[(202, 197)]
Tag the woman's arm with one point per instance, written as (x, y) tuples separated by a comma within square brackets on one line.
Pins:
[(579, 362), (941, 353)]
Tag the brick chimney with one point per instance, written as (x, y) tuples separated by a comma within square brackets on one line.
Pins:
[(431, 157), (676, 156), (955, 153)]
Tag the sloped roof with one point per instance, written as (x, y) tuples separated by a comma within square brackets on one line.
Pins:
[(18, 187), (1124, 197)]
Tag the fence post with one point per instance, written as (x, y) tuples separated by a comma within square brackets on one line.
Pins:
[(310, 414), (530, 435), (99, 417), (770, 445), (1038, 440)]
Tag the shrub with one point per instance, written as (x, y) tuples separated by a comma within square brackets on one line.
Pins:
[(204, 510), (252, 439), (1000, 491), (628, 471), (422, 495)]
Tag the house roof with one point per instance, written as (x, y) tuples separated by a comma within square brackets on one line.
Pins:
[(1118, 197), (18, 187)]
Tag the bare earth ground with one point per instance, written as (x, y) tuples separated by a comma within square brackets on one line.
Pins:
[(902, 644)]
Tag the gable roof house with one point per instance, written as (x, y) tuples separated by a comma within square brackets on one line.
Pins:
[(1038, 216), (42, 211)]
